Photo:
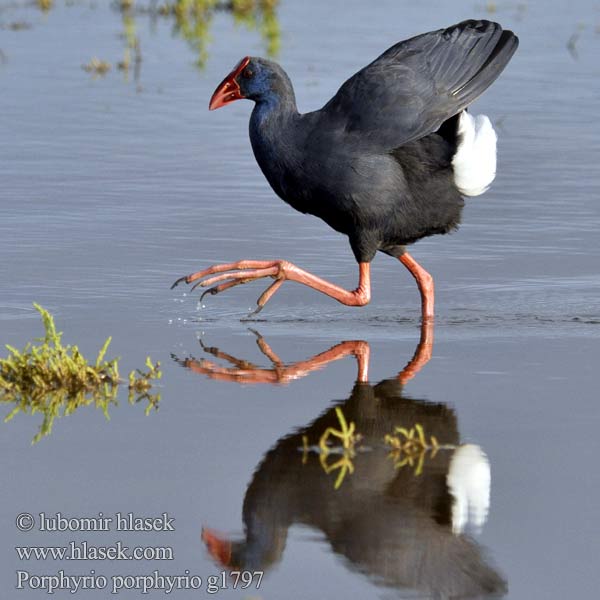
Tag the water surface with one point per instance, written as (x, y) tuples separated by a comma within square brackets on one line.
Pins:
[(113, 187)]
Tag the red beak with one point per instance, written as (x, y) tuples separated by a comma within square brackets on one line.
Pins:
[(218, 547), (229, 90)]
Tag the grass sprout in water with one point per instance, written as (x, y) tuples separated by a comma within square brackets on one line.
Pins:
[(262, 16), (97, 66), (55, 379), (407, 447), (45, 5), (410, 447), (132, 53), (193, 20), (346, 453), (346, 433)]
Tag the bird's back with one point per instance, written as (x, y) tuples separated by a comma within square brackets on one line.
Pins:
[(381, 199), (379, 161)]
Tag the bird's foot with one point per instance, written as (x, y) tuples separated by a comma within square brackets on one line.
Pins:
[(278, 372), (238, 273), (219, 278)]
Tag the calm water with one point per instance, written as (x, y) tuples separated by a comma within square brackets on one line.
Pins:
[(112, 187)]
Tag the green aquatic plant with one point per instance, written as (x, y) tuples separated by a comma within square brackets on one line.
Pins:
[(140, 384), (407, 447), (97, 66), (45, 5), (345, 433), (55, 379), (349, 439), (17, 26), (410, 447), (132, 52), (260, 15), (193, 20), (344, 464)]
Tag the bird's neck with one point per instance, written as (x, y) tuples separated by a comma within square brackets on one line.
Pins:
[(272, 124), (273, 111)]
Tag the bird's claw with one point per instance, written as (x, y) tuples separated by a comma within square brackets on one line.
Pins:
[(184, 278), (255, 311), (212, 291), (195, 286), (230, 275)]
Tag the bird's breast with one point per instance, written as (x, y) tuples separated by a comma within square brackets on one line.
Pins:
[(348, 190)]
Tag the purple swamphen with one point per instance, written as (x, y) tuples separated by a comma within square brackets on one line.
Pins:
[(386, 161)]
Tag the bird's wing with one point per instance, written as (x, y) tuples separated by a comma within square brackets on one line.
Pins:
[(413, 87)]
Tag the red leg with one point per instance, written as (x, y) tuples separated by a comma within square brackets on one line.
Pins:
[(249, 270), (424, 281), (422, 353), (281, 374)]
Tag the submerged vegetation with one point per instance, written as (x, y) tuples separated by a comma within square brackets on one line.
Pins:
[(349, 439), (192, 21), (55, 379), (345, 434), (408, 447), (45, 4), (97, 67)]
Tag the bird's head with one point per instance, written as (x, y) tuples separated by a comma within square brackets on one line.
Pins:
[(253, 78)]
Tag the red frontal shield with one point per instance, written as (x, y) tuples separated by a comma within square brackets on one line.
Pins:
[(228, 90)]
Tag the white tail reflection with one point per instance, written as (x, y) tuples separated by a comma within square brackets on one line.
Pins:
[(469, 483)]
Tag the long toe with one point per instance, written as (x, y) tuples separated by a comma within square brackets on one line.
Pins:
[(184, 278)]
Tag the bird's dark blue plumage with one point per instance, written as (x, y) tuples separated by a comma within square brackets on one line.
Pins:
[(388, 159)]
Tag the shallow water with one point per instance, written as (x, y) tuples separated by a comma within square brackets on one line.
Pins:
[(112, 188)]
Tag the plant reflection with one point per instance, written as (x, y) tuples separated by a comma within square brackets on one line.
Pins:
[(54, 379), (401, 528), (192, 21), (45, 5), (61, 403), (132, 54)]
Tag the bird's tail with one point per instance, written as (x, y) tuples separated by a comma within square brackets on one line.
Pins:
[(474, 162)]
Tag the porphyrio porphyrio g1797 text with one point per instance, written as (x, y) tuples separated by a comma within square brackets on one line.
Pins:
[(386, 161)]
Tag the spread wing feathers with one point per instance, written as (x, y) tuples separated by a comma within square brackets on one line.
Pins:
[(413, 87)]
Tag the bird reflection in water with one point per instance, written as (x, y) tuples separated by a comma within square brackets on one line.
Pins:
[(403, 530)]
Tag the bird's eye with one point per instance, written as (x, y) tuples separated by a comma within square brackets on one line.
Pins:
[(247, 73)]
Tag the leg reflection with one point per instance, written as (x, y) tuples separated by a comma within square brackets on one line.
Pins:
[(243, 371), (402, 527)]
